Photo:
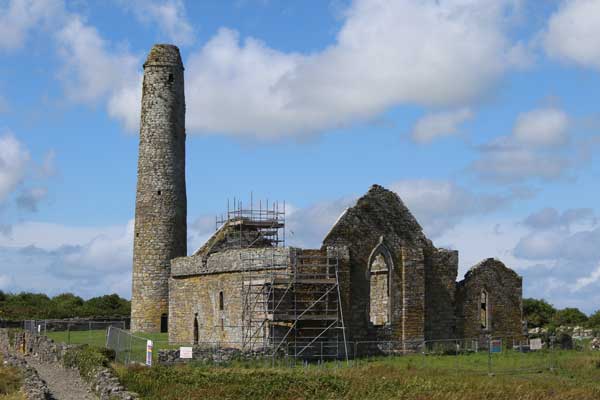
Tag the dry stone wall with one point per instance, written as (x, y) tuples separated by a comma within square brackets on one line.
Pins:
[(102, 380)]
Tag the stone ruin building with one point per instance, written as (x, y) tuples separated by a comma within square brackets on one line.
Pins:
[(376, 276)]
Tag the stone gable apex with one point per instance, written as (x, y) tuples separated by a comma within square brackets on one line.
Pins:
[(383, 210)]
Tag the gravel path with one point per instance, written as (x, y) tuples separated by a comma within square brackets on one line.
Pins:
[(65, 384)]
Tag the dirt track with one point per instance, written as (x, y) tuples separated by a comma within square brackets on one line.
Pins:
[(65, 384)]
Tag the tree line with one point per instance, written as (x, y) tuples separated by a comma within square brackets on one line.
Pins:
[(540, 313), (25, 305)]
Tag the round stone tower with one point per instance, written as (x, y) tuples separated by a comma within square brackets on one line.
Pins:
[(161, 205)]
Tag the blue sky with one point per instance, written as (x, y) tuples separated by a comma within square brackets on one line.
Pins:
[(482, 115)]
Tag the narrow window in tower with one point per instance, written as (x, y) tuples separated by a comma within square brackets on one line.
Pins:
[(137, 234), (220, 301), (158, 193), (171, 79)]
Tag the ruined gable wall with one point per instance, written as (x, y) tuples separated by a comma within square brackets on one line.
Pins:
[(380, 213), (440, 286), (504, 288)]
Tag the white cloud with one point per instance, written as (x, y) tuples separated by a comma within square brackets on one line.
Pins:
[(565, 250), (90, 70), (247, 88), (572, 33), (543, 127), (483, 237), (435, 125), (532, 151), (550, 218), (87, 261), (306, 227), (125, 104), (14, 160), (169, 16), (49, 236), (93, 71), (519, 164), (18, 17), (585, 281), (440, 205)]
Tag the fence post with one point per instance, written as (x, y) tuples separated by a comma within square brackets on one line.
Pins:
[(118, 347), (456, 354), (489, 338), (107, 337)]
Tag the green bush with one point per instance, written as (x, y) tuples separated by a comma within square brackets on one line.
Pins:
[(537, 312), (569, 317), (594, 321), (66, 305), (86, 359)]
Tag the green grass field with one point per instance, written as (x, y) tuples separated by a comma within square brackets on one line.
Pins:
[(134, 348), (528, 376), (576, 377), (93, 337)]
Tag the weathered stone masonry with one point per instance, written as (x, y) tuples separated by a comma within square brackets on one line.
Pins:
[(502, 288), (395, 285), (161, 205)]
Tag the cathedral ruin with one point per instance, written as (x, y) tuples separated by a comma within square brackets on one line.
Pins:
[(375, 278)]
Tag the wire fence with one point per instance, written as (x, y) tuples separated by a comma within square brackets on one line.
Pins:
[(488, 355), (128, 348), (481, 355), (80, 331)]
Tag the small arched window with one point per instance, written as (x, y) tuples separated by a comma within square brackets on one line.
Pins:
[(379, 295), (221, 302), (484, 316)]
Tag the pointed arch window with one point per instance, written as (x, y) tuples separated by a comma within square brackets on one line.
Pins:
[(379, 277), (484, 308)]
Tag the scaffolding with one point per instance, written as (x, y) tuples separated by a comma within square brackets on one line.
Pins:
[(292, 307), (253, 227), (291, 299)]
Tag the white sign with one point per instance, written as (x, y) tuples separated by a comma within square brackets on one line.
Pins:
[(185, 352), (149, 346), (535, 344)]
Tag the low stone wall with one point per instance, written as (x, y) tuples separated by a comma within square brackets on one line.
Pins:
[(34, 387), (102, 381), (211, 356)]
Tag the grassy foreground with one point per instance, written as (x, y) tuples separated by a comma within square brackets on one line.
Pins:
[(576, 377)]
